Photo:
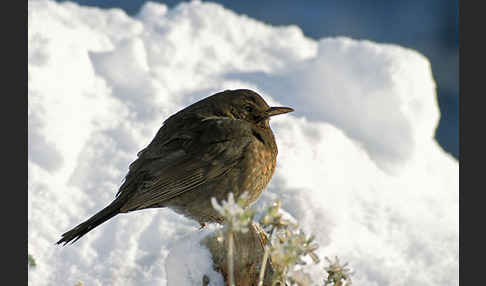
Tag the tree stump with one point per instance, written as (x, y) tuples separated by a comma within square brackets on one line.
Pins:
[(248, 252)]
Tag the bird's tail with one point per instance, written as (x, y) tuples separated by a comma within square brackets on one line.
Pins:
[(83, 228)]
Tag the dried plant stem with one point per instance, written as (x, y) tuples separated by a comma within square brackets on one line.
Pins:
[(265, 258), (230, 259), (264, 264)]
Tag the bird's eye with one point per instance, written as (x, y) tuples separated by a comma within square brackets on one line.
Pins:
[(248, 108)]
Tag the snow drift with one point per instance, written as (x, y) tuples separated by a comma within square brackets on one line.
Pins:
[(358, 164)]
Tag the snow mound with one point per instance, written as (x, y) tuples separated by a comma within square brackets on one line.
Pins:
[(357, 165)]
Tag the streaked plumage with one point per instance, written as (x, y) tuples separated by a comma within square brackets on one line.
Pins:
[(218, 145)]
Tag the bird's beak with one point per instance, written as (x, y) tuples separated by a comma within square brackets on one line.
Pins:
[(277, 110)]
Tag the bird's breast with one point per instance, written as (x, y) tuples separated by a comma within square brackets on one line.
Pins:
[(260, 166)]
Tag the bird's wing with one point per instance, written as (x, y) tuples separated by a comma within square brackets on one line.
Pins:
[(185, 160)]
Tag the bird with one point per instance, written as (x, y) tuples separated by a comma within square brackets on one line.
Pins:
[(220, 144)]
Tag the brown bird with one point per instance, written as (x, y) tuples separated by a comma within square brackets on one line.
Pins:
[(217, 145)]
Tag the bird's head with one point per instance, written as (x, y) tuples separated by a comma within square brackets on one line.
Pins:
[(248, 105)]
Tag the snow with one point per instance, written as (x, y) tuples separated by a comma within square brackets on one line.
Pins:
[(357, 164)]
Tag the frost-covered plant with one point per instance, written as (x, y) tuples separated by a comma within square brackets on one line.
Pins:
[(236, 219), (337, 273), (288, 245)]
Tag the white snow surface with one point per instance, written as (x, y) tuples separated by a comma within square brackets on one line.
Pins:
[(358, 165)]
